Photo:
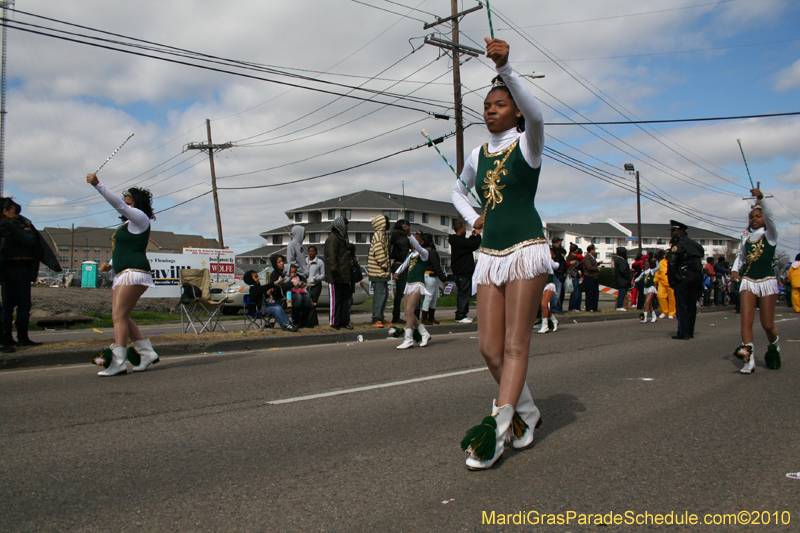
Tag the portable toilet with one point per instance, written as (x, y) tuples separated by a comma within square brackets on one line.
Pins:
[(89, 274)]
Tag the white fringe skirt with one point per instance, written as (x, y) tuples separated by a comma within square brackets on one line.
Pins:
[(651, 290), (760, 288), (133, 277), (417, 288), (550, 287), (524, 263)]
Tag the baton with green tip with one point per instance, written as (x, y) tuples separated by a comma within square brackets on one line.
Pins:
[(430, 141)]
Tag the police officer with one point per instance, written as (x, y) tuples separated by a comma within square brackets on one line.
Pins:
[(684, 272), (18, 255)]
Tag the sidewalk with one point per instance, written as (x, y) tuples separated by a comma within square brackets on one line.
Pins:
[(236, 340)]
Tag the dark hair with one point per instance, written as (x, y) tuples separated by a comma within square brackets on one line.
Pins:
[(248, 277), (659, 254), (399, 224), (427, 240), (496, 79), (8, 203), (143, 201), (314, 247), (590, 248), (458, 224), (709, 259), (797, 257), (721, 259)]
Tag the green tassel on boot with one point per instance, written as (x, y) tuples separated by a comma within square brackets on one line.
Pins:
[(773, 356), (103, 358), (480, 440), (743, 352), (518, 426), (418, 338), (133, 356)]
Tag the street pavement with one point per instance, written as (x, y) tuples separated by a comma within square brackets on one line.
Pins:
[(363, 437)]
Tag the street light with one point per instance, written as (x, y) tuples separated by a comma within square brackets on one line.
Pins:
[(630, 170)]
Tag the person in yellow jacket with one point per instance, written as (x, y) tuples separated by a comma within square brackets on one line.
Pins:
[(666, 296), (794, 279)]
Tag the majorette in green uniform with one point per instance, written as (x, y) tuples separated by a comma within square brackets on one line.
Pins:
[(753, 265), (129, 250), (505, 175)]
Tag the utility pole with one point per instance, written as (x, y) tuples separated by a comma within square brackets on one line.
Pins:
[(211, 148), (629, 169), (457, 49), (798, 227), (72, 250), (5, 4)]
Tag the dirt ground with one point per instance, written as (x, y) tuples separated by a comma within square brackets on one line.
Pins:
[(78, 301)]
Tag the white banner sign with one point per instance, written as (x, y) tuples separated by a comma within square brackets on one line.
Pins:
[(165, 267), (222, 267)]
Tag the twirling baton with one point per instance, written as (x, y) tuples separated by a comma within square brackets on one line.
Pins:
[(489, 12), (745, 163), (114, 152), (430, 141)]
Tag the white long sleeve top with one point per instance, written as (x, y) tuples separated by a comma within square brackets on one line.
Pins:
[(531, 142), (418, 251), (138, 222)]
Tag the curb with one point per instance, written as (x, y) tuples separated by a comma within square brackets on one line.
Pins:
[(195, 345)]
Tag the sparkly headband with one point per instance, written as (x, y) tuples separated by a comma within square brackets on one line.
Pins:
[(498, 82)]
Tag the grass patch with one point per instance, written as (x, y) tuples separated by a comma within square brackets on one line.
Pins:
[(104, 321)]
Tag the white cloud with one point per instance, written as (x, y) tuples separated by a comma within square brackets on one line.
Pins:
[(789, 78)]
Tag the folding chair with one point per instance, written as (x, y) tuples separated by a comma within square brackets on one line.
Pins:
[(201, 311), (253, 315)]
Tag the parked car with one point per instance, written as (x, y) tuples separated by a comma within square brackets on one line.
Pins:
[(233, 293)]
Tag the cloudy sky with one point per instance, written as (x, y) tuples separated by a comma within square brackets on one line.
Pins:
[(287, 83)]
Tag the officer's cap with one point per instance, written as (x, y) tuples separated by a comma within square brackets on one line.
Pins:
[(674, 224)]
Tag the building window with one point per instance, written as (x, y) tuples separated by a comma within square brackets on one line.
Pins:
[(609, 255), (346, 213), (445, 221), (703, 242), (391, 215), (331, 214), (277, 239), (661, 241), (595, 240), (63, 259), (313, 238), (609, 240), (424, 218), (96, 250), (410, 216), (577, 240), (63, 248), (298, 217), (718, 242), (647, 241), (361, 238), (437, 240)]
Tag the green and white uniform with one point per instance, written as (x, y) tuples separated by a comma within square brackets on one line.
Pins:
[(754, 260), (417, 264), (649, 280), (505, 174), (129, 243)]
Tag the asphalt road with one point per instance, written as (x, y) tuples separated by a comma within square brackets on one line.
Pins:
[(633, 421)]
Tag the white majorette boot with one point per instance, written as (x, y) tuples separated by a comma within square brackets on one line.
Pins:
[(662, 315), (425, 335), (143, 352), (654, 317), (555, 322), (408, 340), (117, 365), (545, 326), (745, 353), (526, 419), (773, 356), (643, 318), (485, 442)]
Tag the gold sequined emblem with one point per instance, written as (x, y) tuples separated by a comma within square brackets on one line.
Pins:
[(492, 187)]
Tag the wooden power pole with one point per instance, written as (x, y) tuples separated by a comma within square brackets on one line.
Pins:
[(457, 49), (211, 148)]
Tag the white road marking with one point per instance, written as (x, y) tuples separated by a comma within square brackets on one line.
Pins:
[(373, 387)]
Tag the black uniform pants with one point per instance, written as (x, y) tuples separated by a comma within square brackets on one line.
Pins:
[(340, 295), (687, 292), (16, 292), (464, 286)]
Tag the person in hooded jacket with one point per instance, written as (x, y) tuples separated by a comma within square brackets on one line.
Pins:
[(622, 277), (399, 248), (666, 296), (339, 253), (378, 269), (264, 297), (296, 253), (300, 303)]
